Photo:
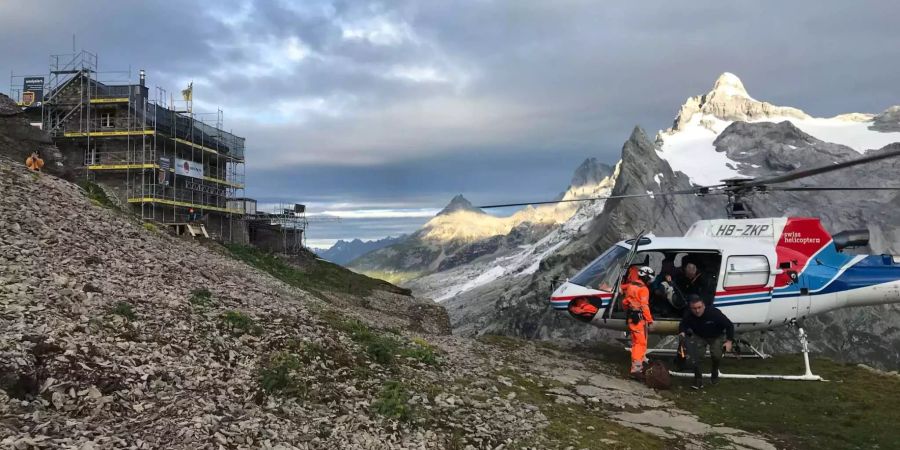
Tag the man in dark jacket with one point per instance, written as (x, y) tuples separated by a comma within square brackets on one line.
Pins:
[(705, 326), (692, 281)]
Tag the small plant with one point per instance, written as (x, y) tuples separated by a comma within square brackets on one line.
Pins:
[(382, 349), (279, 374), (125, 310), (421, 351), (239, 323), (201, 297), (95, 193), (150, 227), (393, 402)]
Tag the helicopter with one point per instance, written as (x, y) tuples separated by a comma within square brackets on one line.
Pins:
[(763, 273)]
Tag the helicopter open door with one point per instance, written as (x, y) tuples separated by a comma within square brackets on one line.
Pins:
[(613, 304)]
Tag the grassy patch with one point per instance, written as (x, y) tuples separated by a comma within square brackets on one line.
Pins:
[(239, 324), (124, 309), (851, 410), (201, 298), (574, 425), (393, 402), (421, 351), (279, 375), (150, 227), (95, 193), (316, 276), (382, 348)]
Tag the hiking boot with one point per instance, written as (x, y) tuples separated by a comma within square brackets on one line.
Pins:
[(638, 375), (697, 384), (714, 379)]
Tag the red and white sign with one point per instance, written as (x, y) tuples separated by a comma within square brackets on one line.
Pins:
[(187, 168)]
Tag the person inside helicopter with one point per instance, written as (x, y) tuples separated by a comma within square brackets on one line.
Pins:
[(693, 280), (663, 298)]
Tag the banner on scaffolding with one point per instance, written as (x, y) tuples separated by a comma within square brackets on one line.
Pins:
[(32, 90), (187, 168), (164, 178)]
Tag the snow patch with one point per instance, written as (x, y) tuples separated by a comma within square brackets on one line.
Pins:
[(855, 135), (691, 151)]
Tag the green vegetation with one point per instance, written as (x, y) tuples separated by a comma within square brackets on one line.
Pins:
[(852, 410), (575, 425), (150, 227), (201, 298), (95, 193), (240, 324), (421, 351), (315, 276), (381, 348), (279, 375), (124, 309), (393, 402)]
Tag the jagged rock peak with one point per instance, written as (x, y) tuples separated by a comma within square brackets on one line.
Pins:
[(728, 100), (590, 172), (459, 203)]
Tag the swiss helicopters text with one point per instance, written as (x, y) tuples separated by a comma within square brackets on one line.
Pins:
[(746, 230)]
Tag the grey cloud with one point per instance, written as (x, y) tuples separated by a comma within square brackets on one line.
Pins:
[(532, 87)]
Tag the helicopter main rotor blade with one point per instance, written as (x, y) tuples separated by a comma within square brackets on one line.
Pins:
[(803, 173), (845, 188), (649, 194)]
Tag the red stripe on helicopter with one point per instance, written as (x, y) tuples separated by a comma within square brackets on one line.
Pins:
[(801, 238), (740, 290)]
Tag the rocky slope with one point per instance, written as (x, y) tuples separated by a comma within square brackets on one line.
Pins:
[(18, 139), (461, 233), (343, 252), (117, 335), (717, 135)]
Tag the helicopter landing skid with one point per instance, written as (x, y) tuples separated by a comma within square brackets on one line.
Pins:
[(808, 376), (742, 349)]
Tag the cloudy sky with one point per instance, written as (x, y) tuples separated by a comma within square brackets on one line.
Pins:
[(381, 111)]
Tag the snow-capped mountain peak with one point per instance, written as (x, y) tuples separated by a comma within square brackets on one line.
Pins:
[(689, 145), (728, 84), (729, 101)]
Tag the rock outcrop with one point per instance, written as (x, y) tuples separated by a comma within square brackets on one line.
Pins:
[(887, 121), (18, 139)]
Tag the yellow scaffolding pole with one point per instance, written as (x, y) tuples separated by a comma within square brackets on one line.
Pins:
[(183, 204), (110, 100), (108, 133)]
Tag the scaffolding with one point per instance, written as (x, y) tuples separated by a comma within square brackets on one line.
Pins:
[(287, 221), (165, 159)]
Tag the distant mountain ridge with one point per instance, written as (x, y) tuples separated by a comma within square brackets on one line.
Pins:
[(343, 252), (461, 233)]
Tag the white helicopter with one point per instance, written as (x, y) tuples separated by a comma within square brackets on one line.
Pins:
[(762, 273)]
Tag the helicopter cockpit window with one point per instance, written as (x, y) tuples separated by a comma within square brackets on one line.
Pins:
[(601, 273)]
